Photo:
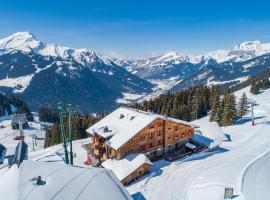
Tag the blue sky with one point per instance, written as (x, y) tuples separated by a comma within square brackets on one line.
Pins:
[(136, 28)]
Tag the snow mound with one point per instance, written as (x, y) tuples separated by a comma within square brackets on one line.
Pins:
[(62, 182)]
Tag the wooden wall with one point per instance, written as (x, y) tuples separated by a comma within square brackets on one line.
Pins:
[(145, 168), (151, 140)]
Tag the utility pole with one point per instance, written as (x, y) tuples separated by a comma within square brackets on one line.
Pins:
[(252, 103), (69, 111), (252, 114), (60, 110), (66, 109)]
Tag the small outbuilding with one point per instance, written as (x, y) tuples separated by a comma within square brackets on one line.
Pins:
[(129, 168), (209, 133)]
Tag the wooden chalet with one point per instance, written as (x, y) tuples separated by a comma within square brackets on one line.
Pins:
[(127, 131)]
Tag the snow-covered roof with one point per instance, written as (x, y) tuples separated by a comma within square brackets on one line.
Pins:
[(62, 182), (124, 123), (211, 130), (124, 167), (204, 140)]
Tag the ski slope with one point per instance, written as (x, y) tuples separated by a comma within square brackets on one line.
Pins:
[(205, 176), (7, 134)]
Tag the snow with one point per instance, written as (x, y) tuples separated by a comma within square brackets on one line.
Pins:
[(7, 135), (256, 179), (13, 82), (27, 42), (189, 145), (210, 130), (239, 80), (129, 97), (121, 130), (62, 182), (124, 167), (204, 176)]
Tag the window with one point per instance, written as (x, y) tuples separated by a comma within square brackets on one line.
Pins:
[(143, 147), (159, 142), (151, 135), (151, 145)]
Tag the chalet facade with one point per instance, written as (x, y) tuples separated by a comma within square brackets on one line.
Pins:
[(127, 131)]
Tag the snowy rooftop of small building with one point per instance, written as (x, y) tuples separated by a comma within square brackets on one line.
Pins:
[(210, 130), (124, 167), (124, 123), (62, 182)]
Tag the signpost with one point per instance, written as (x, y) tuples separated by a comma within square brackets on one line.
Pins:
[(228, 193)]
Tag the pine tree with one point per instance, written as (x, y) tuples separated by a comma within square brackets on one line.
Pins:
[(243, 105), (265, 84), (255, 87), (229, 114), (215, 109)]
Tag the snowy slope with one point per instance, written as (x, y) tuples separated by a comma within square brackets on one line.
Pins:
[(7, 134), (205, 176)]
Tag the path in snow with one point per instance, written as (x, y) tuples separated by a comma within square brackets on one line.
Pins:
[(256, 181)]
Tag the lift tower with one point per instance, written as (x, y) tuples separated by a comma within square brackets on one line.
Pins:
[(66, 110)]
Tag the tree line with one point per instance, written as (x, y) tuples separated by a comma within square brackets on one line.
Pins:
[(258, 85), (190, 104), (10, 104)]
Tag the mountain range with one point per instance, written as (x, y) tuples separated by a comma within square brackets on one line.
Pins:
[(45, 74)]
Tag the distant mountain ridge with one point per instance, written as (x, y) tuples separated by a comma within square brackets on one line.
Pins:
[(180, 71), (47, 73), (44, 74)]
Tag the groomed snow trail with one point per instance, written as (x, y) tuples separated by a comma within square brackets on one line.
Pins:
[(206, 177), (256, 181)]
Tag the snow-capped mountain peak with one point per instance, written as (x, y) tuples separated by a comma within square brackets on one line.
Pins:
[(24, 41), (253, 46), (27, 42)]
